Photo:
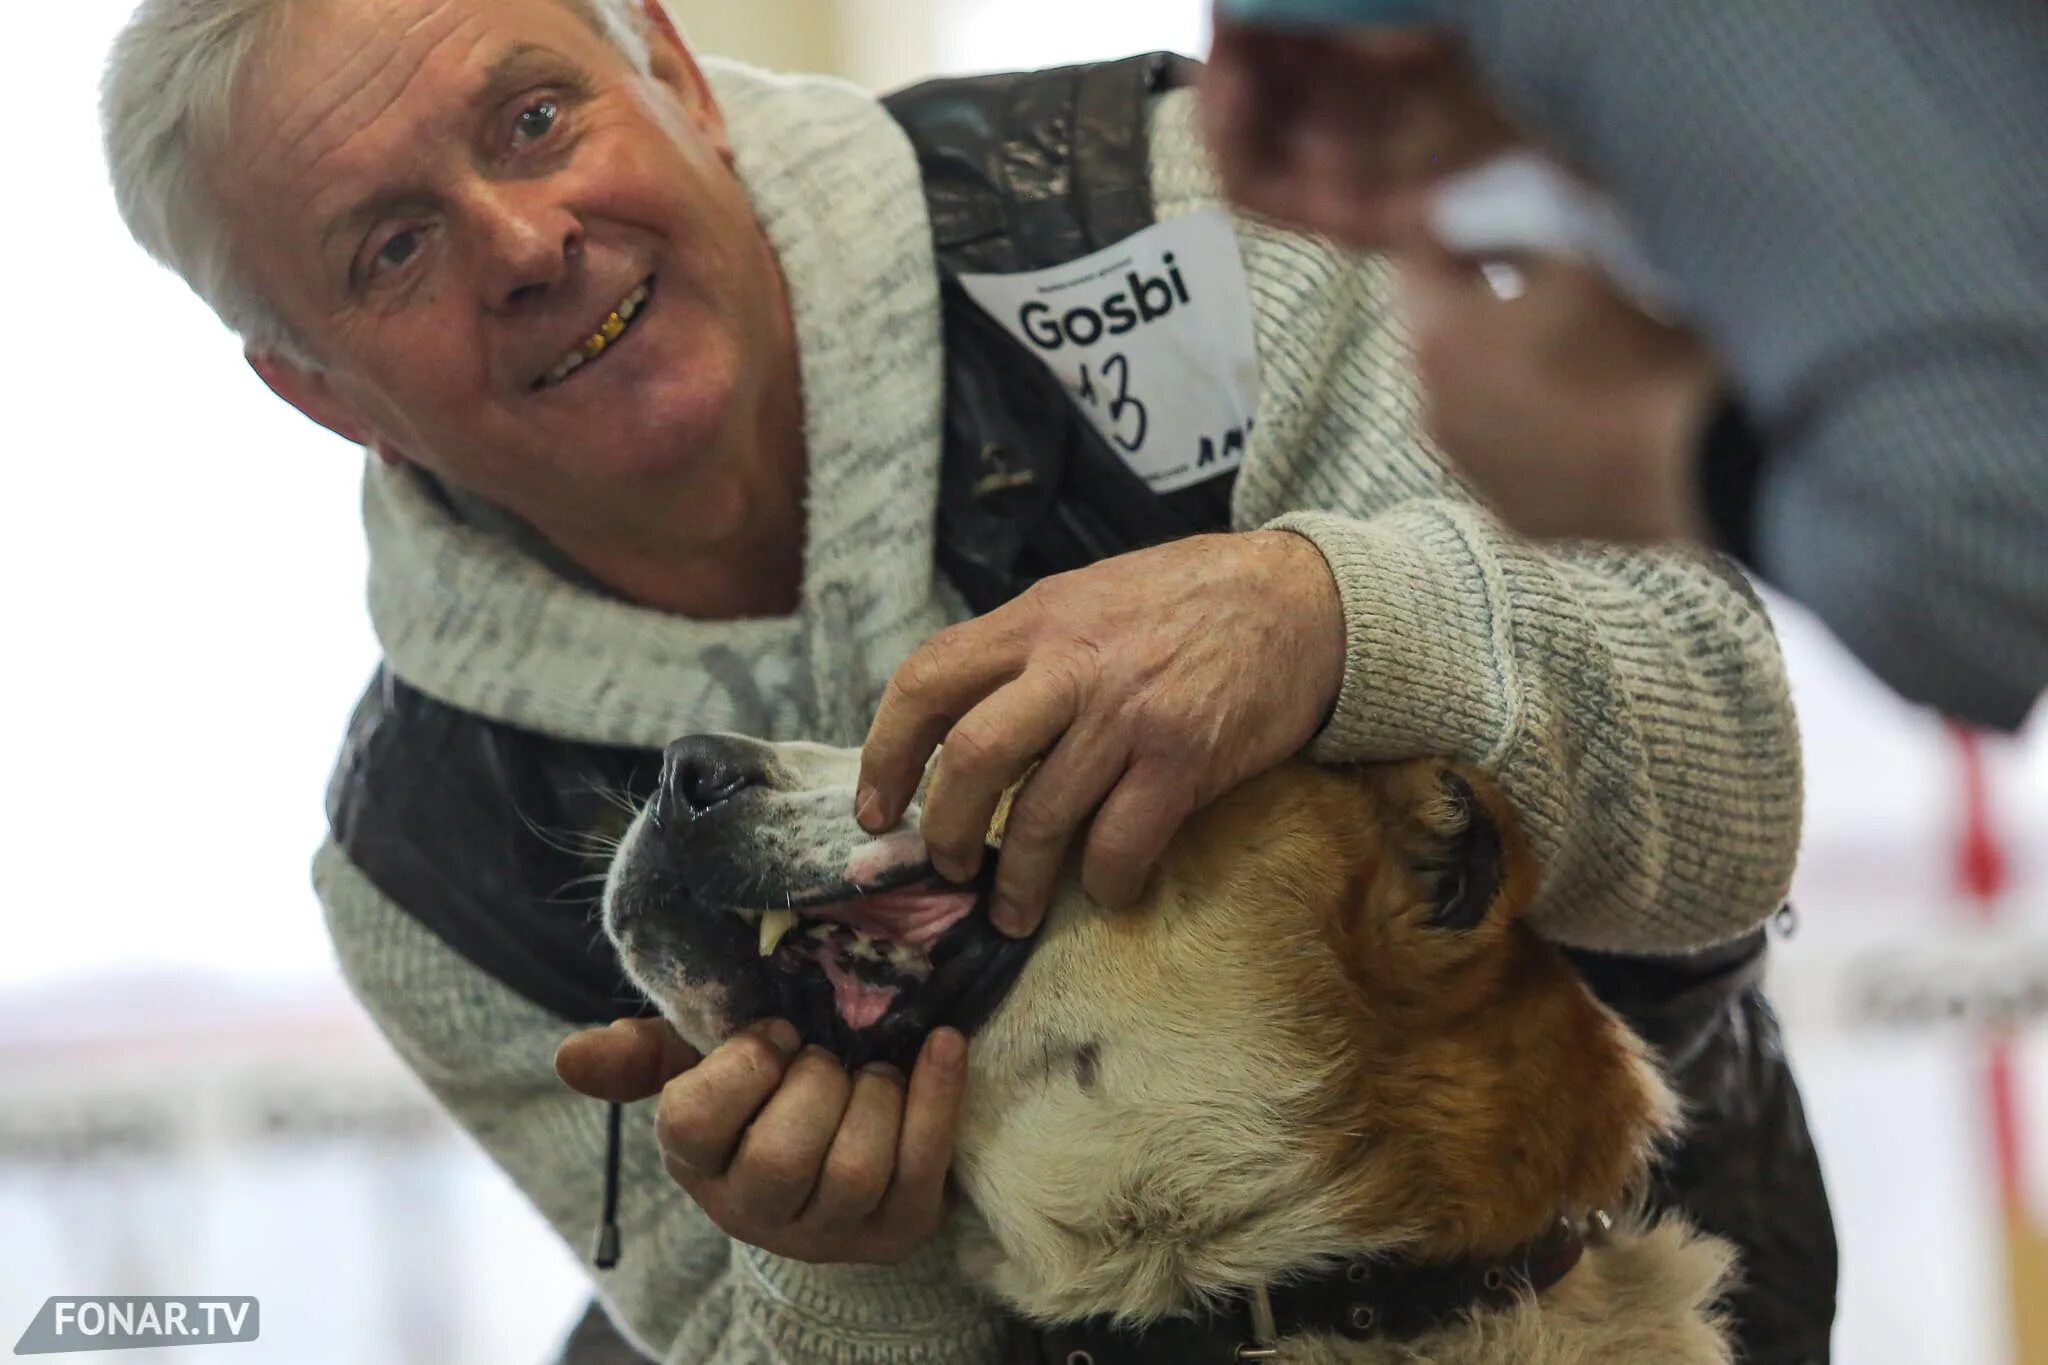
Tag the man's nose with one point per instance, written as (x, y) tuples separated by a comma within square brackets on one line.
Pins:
[(700, 773), (528, 241)]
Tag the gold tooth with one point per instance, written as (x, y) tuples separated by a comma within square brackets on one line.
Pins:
[(608, 331)]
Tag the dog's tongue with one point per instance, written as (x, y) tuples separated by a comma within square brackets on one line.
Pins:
[(914, 916), (859, 1003)]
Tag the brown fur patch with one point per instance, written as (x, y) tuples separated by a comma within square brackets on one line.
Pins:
[(1485, 1089)]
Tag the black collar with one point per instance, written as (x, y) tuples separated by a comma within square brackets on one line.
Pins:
[(1363, 1299)]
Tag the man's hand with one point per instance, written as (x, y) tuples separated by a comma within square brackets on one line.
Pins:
[(784, 1150), (1145, 686), (1574, 412), (1342, 131)]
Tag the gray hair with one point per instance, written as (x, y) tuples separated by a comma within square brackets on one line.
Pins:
[(165, 108)]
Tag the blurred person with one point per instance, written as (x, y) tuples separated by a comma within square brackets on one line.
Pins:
[(666, 378), (1848, 196)]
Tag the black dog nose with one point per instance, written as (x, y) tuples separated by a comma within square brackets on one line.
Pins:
[(703, 772)]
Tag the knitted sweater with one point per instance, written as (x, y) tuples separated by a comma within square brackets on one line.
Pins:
[(1850, 194), (1633, 704)]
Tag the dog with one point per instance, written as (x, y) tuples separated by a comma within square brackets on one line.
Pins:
[(1321, 1097)]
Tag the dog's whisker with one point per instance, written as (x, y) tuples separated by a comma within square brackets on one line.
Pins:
[(578, 843), (561, 896), (595, 785)]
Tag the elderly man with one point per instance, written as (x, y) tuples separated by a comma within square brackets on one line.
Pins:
[(665, 399)]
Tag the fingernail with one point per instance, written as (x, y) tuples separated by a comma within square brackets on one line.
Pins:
[(820, 1053), (867, 808), (885, 1071), (1008, 917), (947, 1049), (780, 1035)]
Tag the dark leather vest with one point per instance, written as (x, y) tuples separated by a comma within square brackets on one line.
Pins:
[(448, 813)]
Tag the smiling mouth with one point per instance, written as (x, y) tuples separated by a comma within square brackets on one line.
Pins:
[(606, 338)]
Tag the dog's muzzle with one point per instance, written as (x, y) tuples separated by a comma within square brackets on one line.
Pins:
[(720, 886)]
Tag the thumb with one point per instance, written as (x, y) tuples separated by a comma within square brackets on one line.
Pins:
[(628, 1060)]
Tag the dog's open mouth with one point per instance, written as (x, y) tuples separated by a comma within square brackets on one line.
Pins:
[(868, 971), (871, 945)]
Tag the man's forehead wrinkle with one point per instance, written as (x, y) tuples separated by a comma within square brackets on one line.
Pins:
[(294, 122), (372, 78), (385, 87)]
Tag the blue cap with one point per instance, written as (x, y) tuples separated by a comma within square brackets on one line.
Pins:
[(1306, 13)]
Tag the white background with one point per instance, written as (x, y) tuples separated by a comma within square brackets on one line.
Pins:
[(183, 574)]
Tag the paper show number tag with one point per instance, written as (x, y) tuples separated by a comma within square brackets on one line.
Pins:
[(1153, 338)]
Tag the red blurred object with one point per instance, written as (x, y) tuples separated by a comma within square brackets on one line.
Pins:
[(1983, 869)]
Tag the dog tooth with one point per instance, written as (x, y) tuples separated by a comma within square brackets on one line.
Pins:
[(774, 924), (864, 948), (821, 932)]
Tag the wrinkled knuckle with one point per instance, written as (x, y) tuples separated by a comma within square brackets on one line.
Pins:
[(776, 1172), (680, 1142), (927, 669), (681, 1132), (1177, 749), (753, 1056), (973, 747), (1122, 846), (1040, 601), (895, 694), (1078, 667), (857, 1181), (1166, 749), (1034, 825), (684, 1174)]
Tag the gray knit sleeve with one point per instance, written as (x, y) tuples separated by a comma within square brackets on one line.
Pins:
[(1633, 705), (683, 1292), (1850, 196)]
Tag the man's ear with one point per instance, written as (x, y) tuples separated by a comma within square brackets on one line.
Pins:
[(1466, 864), (311, 392), (675, 66)]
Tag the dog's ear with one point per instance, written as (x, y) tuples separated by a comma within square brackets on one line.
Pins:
[(1463, 859)]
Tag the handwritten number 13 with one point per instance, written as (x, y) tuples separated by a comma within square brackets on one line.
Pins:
[(1117, 370)]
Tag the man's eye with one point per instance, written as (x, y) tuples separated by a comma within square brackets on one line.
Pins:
[(400, 249), (537, 120)]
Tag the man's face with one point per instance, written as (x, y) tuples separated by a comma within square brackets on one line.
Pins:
[(451, 199)]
